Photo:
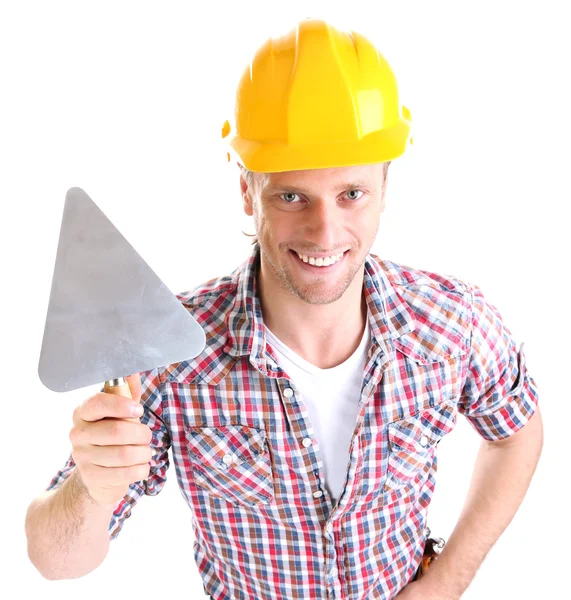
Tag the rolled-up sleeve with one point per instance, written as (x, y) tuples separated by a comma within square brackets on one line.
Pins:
[(152, 402), (498, 396)]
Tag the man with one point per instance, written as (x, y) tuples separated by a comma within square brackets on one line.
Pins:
[(305, 435)]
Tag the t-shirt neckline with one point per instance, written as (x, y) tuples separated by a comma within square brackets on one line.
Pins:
[(310, 367)]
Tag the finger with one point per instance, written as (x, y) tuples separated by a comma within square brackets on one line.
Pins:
[(104, 405), (120, 456), (116, 476), (114, 432), (134, 382)]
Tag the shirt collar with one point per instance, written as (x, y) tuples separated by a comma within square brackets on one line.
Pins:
[(390, 316)]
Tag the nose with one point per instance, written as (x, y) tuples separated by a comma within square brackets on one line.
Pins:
[(322, 223)]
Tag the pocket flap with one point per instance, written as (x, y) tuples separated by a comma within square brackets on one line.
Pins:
[(423, 430), (431, 347), (225, 446)]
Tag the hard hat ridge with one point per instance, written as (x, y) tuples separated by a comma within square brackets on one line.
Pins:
[(317, 97)]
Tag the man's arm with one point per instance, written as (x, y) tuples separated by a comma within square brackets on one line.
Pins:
[(501, 477), (67, 531)]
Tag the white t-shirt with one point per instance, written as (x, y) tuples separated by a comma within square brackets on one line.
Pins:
[(331, 397)]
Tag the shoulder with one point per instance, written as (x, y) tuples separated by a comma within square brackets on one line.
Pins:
[(439, 304), (404, 276), (210, 303)]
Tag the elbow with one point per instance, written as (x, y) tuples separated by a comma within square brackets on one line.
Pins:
[(50, 558), (33, 549), (45, 573), (38, 559), (56, 571)]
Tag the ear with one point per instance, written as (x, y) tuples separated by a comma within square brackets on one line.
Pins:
[(384, 195), (383, 202), (246, 197)]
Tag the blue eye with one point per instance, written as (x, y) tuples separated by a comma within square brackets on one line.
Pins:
[(290, 197), (288, 200)]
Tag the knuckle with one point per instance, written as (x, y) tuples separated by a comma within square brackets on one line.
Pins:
[(125, 455), (78, 456), (115, 429), (75, 435), (143, 472), (148, 434)]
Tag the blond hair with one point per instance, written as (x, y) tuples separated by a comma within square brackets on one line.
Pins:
[(258, 180)]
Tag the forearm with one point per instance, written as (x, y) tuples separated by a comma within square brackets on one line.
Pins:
[(67, 531), (501, 477)]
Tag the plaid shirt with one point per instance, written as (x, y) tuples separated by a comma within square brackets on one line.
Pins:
[(249, 465)]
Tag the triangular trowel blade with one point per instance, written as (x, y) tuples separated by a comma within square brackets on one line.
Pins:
[(109, 315)]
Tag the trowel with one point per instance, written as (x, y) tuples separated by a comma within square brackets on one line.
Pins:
[(109, 314)]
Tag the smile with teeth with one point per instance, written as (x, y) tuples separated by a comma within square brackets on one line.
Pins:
[(322, 261)]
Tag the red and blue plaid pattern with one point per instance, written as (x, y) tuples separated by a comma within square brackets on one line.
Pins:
[(249, 465)]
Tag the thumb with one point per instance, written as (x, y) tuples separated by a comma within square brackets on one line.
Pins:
[(134, 382)]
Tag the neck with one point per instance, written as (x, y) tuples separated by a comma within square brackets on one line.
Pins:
[(323, 334)]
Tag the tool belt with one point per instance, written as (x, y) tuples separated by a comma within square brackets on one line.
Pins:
[(432, 549)]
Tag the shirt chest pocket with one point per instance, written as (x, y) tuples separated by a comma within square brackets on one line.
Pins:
[(412, 444), (231, 462)]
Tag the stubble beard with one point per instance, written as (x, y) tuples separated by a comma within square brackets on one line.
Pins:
[(310, 293)]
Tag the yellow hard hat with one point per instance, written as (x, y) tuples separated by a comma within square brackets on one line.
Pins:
[(314, 98)]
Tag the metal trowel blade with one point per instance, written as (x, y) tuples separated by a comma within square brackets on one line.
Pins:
[(109, 315)]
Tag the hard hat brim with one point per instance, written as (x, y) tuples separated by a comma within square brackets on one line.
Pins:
[(265, 157)]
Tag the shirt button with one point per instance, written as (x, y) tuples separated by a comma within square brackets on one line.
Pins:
[(333, 571), (424, 441), (307, 442), (288, 392), (227, 459), (317, 494)]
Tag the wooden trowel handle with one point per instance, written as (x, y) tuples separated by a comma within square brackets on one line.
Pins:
[(119, 387)]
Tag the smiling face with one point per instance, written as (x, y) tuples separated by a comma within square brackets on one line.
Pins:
[(315, 227)]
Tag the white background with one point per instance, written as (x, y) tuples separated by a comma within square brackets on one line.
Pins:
[(127, 101)]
